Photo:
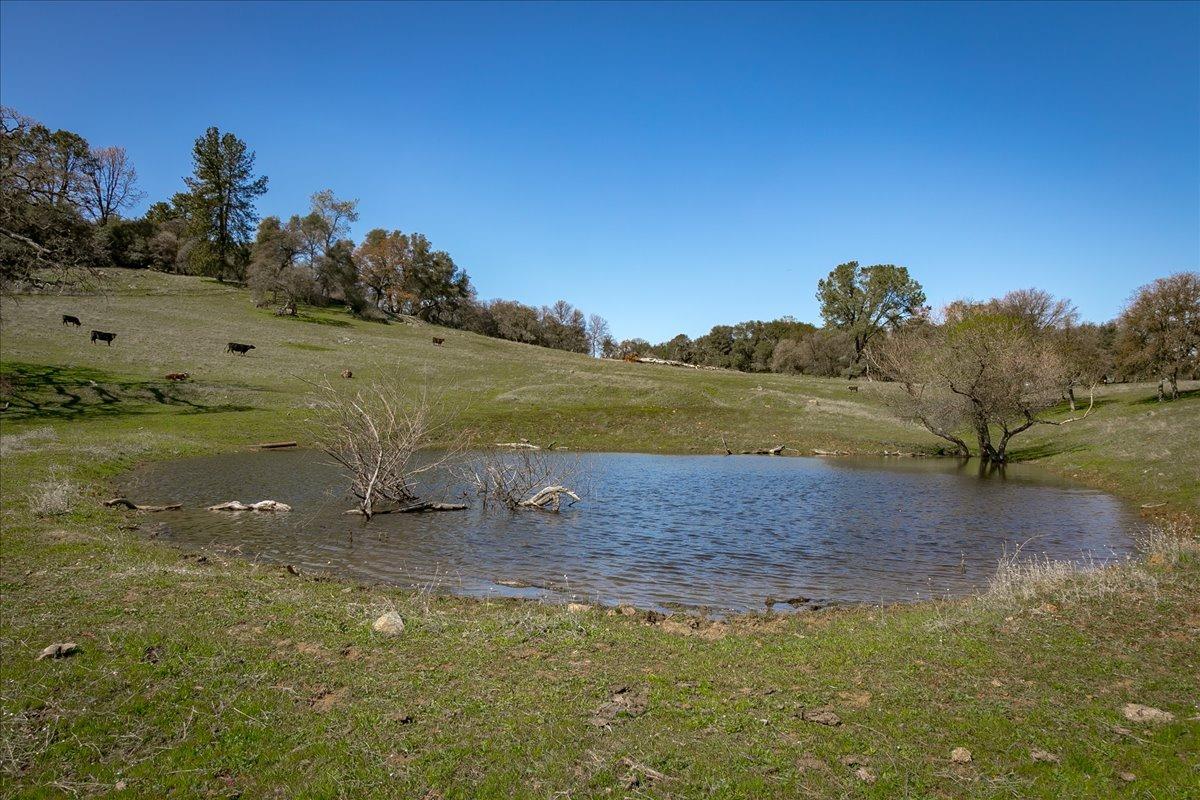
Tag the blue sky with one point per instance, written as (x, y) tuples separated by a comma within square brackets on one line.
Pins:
[(674, 166)]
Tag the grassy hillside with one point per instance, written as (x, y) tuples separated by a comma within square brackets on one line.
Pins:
[(202, 675)]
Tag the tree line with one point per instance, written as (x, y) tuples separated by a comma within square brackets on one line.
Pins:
[(63, 210)]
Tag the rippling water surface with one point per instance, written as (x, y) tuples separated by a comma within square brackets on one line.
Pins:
[(721, 533)]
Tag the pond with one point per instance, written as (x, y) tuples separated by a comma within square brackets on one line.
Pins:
[(720, 533)]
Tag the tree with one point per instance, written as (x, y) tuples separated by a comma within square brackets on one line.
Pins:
[(597, 332), (984, 369), (327, 223), (40, 228), (866, 300), (272, 273), (382, 258), (220, 203), (1160, 329), (110, 184)]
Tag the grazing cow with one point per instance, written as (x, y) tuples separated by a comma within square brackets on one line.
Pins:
[(438, 341), (240, 349), (177, 376), (69, 320), (852, 387), (101, 336), (347, 373)]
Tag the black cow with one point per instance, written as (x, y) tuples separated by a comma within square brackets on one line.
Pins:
[(240, 349), (101, 336), (69, 320), (439, 341)]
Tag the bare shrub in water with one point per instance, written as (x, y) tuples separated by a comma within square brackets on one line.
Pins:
[(53, 496), (522, 479), (375, 434)]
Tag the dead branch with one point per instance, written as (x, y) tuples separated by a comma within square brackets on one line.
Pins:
[(274, 445), (376, 434), (415, 508), (261, 505), (527, 478), (124, 503), (771, 451), (548, 499)]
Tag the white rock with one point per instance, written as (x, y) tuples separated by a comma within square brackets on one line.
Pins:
[(390, 624), (960, 755)]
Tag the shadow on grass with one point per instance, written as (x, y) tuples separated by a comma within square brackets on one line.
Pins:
[(1044, 450), (318, 319), (1151, 399), (34, 391)]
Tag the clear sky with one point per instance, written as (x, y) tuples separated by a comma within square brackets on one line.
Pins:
[(673, 166)]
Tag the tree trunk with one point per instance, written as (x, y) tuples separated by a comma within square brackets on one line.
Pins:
[(1071, 397)]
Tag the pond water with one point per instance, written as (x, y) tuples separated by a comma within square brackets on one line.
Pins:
[(720, 533)]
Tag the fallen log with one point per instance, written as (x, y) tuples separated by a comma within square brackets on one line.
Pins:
[(522, 445), (664, 361), (549, 497), (274, 445), (261, 505), (772, 451), (830, 452), (132, 506), (416, 508)]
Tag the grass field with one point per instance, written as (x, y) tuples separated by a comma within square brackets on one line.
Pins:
[(202, 675)]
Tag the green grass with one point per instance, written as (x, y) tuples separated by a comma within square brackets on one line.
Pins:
[(202, 675)]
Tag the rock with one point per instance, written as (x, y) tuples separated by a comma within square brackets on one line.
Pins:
[(1136, 712), (865, 775), (627, 610), (578, 608), (960, 755), (821, 716), (390, 624), (60, 650), (1128, 777), (1044, 756)]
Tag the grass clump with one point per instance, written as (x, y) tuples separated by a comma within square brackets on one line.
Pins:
[(53, 496)]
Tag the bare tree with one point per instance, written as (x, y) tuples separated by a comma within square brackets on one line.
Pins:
[(525, 478), (597, 332), (382, 438), (985, 369), (110, 184)]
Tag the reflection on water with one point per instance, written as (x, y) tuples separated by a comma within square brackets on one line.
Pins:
[(662, 531)]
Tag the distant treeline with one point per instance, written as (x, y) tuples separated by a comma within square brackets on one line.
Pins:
[(63, 201)]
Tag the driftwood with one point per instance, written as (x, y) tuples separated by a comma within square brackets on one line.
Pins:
[(274, 445), (549, 498), (771, 451), (124, 503), (830, 452), (415, 508), (261, 505), (525, 444)]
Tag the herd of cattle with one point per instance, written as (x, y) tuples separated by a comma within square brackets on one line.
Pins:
[(232, 347), (107, 338)]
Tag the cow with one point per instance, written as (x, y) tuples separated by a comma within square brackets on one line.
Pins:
[(101, 336), (347, 373), (240, 349), (69, 320), (439, 341), (853, 387), (177, 376)]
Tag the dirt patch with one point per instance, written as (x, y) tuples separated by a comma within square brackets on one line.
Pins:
[(623, 701)]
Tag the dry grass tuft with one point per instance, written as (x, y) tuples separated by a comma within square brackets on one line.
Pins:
[(1022, 580), (26, 441), (53, 496)]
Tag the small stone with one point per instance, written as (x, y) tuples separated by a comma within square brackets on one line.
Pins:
[(960, 755), (578, 608), (60, 650), (626, 611), (1044, 756), (1128, 777), (390, 624), (1136, 712)]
